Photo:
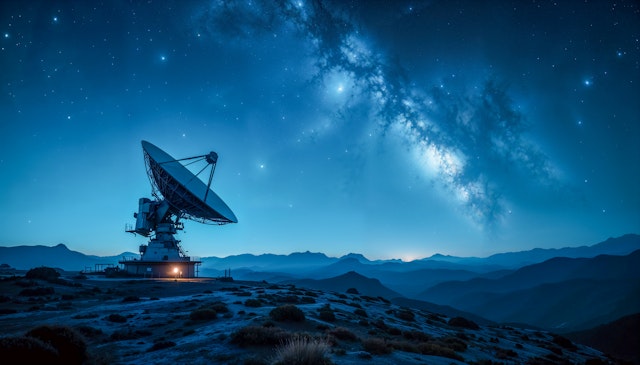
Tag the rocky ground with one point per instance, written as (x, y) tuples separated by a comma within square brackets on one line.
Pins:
[(208, 321)]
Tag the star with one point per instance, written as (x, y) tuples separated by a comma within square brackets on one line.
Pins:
[(55, 19), (163, 58), (340, 88)]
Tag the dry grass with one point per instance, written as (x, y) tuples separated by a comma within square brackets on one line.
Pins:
[(302, 351), (376, 346), (342, 333), (259, 336)]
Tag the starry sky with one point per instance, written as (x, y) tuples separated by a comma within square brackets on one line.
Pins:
[(395, 129)]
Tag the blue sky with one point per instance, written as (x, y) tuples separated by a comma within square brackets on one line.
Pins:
[(392, 129)]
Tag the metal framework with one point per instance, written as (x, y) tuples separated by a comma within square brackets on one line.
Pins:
[(176, 197)]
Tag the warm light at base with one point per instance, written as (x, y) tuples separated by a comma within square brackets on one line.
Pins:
[(175, 270)]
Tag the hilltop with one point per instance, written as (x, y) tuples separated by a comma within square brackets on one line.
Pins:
[(208, 321)]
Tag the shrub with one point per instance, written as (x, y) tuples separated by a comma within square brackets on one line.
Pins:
[(463, 323), (376, 346), (254, 303), (4, 299), (434, 349), (28, 349), (26, 283), (353, 291), (503, 354), (259, 336), (203, 314), (564, 342), (7, 311), (86, 316), (129, 335), (302, 351), (379, 323), (416, 336), (287, 313), (131, 298), (88, 331), (405, 346), (42, 273), (342, 333), (116, 318), (454, 343), (326, 313), (360, 312), (71, 345), (219, 307), (394, 331), (307, 300), (161, 345), (37, 292), (406, 315)]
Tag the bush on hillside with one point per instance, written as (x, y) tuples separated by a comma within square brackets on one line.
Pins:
[(42, 273), (161, 345), (259, 336), (116, 318), (287, 313), (376, 346), (203, 314), (253, 303), (406, 315), (27, 350), (71, 345), (40, 291), (463, 323), (435, 349), (342, 333)]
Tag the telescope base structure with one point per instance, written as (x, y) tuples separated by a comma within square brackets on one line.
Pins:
[(162, 258), (162, 269)]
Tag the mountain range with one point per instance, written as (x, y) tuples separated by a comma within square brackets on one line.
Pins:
[(566, 289)]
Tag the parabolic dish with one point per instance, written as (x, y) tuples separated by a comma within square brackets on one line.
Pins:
[(183, 190)]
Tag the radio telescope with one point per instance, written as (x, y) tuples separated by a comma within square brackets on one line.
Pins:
[(178, 194)]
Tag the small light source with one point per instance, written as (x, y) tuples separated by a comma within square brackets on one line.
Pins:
[(175, 270)]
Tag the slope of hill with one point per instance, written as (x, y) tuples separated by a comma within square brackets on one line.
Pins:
[(620, 338), (207, 321), (364, 285)]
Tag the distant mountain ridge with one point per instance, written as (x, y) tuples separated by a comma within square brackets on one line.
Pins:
[(58, 256), (25, 257), (612, 246), (561, 293)]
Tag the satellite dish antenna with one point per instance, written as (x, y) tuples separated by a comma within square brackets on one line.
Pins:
[(179, 194)]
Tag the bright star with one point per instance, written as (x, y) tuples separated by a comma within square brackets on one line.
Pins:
[(163, 58), (340, 88), (262, 166), (6, 35), (55, 19)]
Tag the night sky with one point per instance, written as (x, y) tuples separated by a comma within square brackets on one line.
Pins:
[(395, 129)]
